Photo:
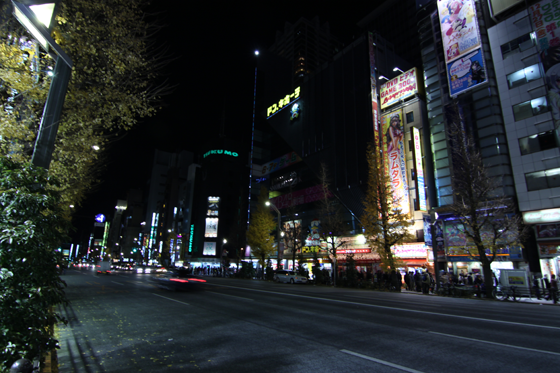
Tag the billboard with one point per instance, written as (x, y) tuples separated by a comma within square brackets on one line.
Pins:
[(275, 165), (209, 248), (399, 88), (394, 157), (466, 72), (462, 45), (459, 27)]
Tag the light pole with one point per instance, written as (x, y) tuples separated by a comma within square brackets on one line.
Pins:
[(278, 260), (37, 16), (397, 69)]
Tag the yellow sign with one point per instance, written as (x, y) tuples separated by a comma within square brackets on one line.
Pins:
[(284, 101), (399, 88)]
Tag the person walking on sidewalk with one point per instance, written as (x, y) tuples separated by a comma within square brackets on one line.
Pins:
[(554, 289)]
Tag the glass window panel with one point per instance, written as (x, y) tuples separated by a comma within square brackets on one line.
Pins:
[(536, 180), (410, 117), (524, 145), (522, 111), (532, 72), (539, 105), (516, 79), (547, 140), (553, 177)]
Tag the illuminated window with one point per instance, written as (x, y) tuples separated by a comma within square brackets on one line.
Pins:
[(524, 76), (538, 142), (530, 108), (543, 179)]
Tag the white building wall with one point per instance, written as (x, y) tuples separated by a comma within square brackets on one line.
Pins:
[(500, 34)]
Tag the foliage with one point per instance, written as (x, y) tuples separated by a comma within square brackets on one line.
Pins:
[(294, 233), (259, 234), (384, 223), (332, 220), (111, 86), (31, 228), (484, 214), (247, 270)]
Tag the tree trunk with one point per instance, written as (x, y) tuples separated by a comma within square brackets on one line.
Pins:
[(488, 278)]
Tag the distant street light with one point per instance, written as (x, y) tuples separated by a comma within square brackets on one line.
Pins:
[(278, 259), (37, 17), (383, 77)]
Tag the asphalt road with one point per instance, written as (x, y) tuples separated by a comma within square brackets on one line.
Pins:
[(124, 323)]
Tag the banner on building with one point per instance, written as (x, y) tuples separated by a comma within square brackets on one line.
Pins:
[(466, 72), (311, 194), (399, 88), (209, 248), (545, 17), (459, 27), (394, 157), (420, 187), (275, 165)]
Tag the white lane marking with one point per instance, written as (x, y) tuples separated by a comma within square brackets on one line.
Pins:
[(394, 308), (118, 283), (174, 300), (496, 343), (227, 295), (383, 362)]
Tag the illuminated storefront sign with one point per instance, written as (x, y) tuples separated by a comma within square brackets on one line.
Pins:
[(213, 206), (220, 151), (283, 103), (542, 216), (420, 190), (211, 227), (410, 251), (191, 238), (394, 158), (100, 218), (399, 88), (353, 251)]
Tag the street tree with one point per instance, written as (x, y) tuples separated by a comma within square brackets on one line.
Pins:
[(484, 214), (385, 225), (113, 85), (293, 233), (332, 227), (32, 225), (259, 234)]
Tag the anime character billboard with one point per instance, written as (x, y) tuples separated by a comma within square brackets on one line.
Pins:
[(466, 72), (459, 27), (394, 157)]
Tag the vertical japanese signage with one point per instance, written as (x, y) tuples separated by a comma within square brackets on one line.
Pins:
[(373, 81), (394, 157), (420, 191), (461, 45), (545, 16)]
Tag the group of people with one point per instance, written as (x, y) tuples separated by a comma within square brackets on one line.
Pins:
[(550, 288)]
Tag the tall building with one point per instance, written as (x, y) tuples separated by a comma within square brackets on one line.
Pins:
[(306, 45)]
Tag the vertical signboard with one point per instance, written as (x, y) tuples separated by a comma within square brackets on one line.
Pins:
[(462, 45), (373, 81), (420, 189), (545, 16), (394, 157)]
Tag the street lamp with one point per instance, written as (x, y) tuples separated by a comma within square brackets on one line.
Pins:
[(37, 17), (397, 69), (383, 77), (277, 231)]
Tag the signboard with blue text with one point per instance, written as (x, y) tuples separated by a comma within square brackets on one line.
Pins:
[(466, 72)]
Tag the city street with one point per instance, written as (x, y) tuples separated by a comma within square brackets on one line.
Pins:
[(124, 323)]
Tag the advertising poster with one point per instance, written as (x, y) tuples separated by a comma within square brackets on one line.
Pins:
[(277, 164), (399, 88), (466, 72), (394, 157), (420, 187), (545, 16), (459, 27), (373, 81), (211, 227), (209, 248)]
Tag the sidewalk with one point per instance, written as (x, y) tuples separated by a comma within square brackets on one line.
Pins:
[(532, 300)]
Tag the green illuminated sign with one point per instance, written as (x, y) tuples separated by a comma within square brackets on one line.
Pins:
[(220, 151), (284, 101)]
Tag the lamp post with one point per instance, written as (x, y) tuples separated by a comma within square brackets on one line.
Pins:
[(397, 69), (278, 260), (37, 17), (383, 77)]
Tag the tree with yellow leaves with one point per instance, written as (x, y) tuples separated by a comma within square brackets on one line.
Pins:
[(259, 233), (112, 85), (384, 222)]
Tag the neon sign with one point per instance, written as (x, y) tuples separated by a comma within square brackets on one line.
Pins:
[(283, 103), (220, 151)]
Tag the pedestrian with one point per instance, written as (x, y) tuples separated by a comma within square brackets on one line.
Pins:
[(418, 281), (406, 280), (547, 287), (554, 289), (426, 283), (536, 289)]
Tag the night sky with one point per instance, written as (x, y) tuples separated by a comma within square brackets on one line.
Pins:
[(212, 51)]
